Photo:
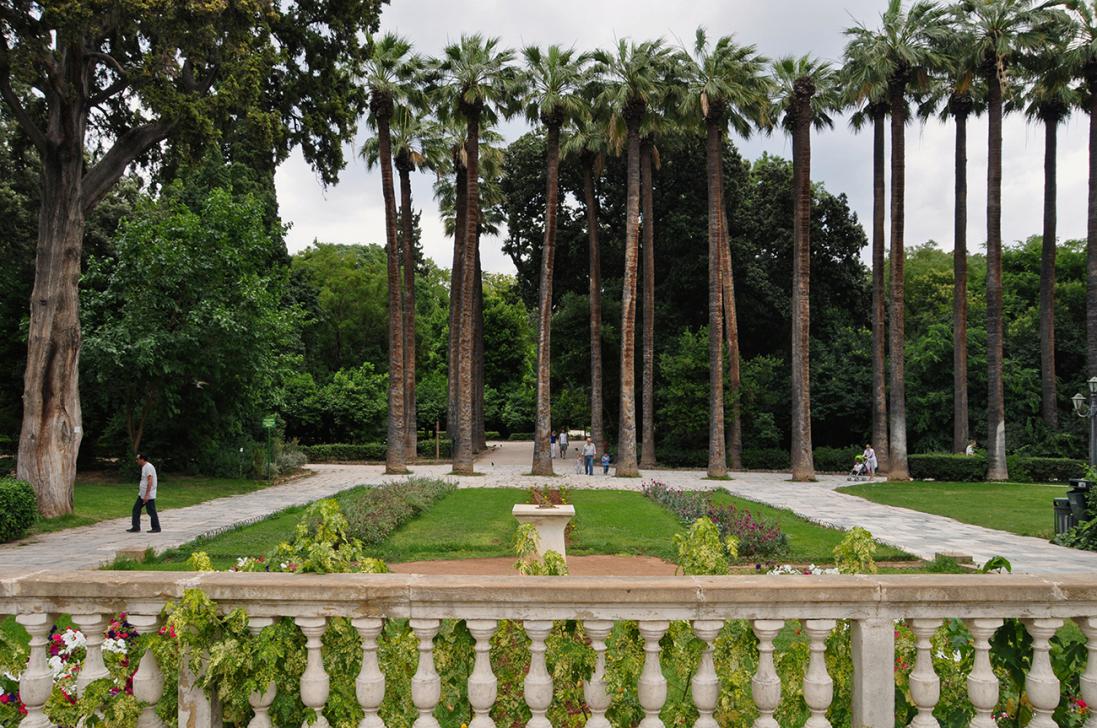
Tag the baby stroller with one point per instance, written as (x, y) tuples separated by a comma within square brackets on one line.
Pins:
[(859, 472)]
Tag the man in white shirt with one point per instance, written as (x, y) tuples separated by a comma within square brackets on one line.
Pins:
[(146, 496), (563, 440), (588, 456)]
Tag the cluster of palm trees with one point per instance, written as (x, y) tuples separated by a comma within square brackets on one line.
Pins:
[(925, 59)]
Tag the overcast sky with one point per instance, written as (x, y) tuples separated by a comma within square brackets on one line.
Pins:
[(353, 212)]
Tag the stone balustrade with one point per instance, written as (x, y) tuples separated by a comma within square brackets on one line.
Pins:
[(871, 603)]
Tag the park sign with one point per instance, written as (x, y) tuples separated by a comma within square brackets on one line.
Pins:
[(268, 422)]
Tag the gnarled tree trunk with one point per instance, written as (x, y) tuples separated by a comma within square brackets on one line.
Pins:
[(803, 466), (597, 414), (996, 416), (879, 320), (898, 469), (1049, 399), (626, 432), (960, 431), (647, 407), (542, 455), (717, 457)]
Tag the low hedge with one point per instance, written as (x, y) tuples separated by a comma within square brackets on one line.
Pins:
[(374, 513), (973, 468), (766, 458), (490, 435), (351, 452), (18, 508), (520, 436)]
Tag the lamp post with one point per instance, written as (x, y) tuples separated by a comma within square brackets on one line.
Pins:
[(1089, 411)]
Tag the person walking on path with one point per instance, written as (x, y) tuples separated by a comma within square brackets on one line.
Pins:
[(563, 439), (146, 496), (870, 460), (554, 446), (588, 456), (605, 463)]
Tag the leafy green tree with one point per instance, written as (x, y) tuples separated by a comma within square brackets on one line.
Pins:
[(806, 93), (131, 75), (185, 333)]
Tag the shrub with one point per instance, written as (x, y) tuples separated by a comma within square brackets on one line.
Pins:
[(1044, 470), (18, 508), (7, 464), (349, 452), (948, 467), (374, 513), (490, 435), (856, 553), (835, 459), (770, 458), (520, 436)]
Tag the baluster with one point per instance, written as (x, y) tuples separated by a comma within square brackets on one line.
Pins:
[(818, 687), (370, 685), (148, 682), (1041, 684), (538, 683), (705, 684), (482, 685), (765, 687), (982, 683), (260, 701), (426, 686), (93, 626), (652, 687), (925, 686), (36, 682), (594, 690), (1088, 625), (315, 684)]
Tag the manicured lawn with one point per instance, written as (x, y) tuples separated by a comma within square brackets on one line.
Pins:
[(808, 542), (100, 500), (1021, 508)]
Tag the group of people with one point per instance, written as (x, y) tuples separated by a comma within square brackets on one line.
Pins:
[(584, 455)]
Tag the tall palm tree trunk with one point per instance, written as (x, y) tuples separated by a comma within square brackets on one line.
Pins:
[(478, 442), (1048, 407), (647, 427), (1091, 230), (463, 454), (803, 465), (412, 426), (879, 321), (996, 419), (542, 455), (960, 432), (626, 431), (395, 461), (733, 429), (898, 469), (597, 423), (455, 282), (717, 457)]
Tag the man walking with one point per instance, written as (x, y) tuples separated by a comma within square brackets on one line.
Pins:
[(563, 440), (146, 496), (588, 456)]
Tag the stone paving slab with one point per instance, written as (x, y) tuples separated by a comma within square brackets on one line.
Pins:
[(505, 466)]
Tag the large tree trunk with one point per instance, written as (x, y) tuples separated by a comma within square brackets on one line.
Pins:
[(395, 460), (898, 469), (1091, 230), (960, 431), (717, 457), (1049, 405), (412, 427), (733, 430), (463, 452), (996, 416), (597, 422), (626, 431), (52, 427), (647, 408), (542, 455), (803, 466), (455, 280), (479, 444), (879, 321)]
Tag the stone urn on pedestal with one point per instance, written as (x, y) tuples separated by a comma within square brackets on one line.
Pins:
[(550, 522)]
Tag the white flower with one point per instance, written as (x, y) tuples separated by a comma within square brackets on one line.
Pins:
[(241, 562), (118, 647), (73, 640), (956, 656), (285, 565), (57, 667)]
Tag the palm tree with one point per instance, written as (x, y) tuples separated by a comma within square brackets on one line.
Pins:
[(727, 86), (555, 78), (483, 81), (631, 82), (589, 141), (906, 50), (807, 91), (868, 91), (1049, 101), (1001, 30), (1081, 58), (390, 66)]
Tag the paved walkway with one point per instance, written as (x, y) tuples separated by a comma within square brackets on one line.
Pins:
[(505, 466)]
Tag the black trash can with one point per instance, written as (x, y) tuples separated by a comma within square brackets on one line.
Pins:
[(1064, 521), (1079, 490)]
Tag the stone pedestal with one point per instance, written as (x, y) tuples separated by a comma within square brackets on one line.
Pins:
[(550, 524)]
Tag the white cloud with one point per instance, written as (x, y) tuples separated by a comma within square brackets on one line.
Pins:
[(352, 211)]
